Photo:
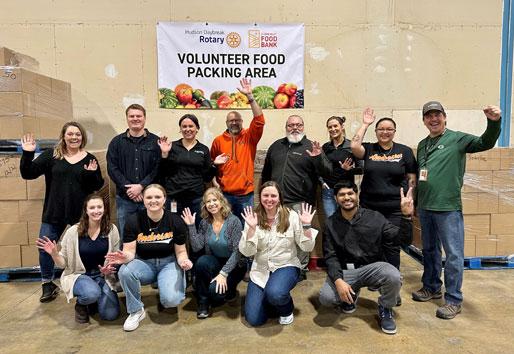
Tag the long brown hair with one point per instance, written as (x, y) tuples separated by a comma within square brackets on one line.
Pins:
[(225, 208), (60, 148), (105, 222), (283, 212)]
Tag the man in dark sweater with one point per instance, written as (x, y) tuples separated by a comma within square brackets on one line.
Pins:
[(296, 163), (355, 243), (132, 163)]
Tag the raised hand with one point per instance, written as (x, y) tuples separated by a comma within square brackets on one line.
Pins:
[(28, 143), (118, 257), (188, 218), (347, 165), (406, 202), (186, 264), (250, 217), (221, 283), (47, 245), (316, 149), (493, 112), (368, 116), (165, 146), (221, 159), (307, 214), (107, 269), (246, 87), (92, 166)]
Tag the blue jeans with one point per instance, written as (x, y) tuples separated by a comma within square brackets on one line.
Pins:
[(238, 203), (444, 228), (92, 289), (329, 201), (207, 268), (124, 208), (166, 271), (53, 232), (275, 299)]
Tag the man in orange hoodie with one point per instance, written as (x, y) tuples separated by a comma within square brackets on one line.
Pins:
[(235, 177)]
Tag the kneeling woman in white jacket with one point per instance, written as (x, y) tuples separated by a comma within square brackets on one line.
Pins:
[(86, 274), (271, 234)]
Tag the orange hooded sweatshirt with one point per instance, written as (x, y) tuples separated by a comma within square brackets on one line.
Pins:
[(236, 176)]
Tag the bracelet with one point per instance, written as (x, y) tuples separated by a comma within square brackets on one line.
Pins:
[(306, 226)]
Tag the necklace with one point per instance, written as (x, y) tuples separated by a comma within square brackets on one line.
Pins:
[(384, 151), (150, 228)]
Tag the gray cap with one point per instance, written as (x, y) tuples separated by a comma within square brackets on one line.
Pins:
[(433, 106)]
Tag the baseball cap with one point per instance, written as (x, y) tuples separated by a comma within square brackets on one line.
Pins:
[(433, 106)]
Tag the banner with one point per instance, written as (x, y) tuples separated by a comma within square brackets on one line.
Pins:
[(200, 64)]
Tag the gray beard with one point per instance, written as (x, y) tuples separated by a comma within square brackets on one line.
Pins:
[(294, 138)]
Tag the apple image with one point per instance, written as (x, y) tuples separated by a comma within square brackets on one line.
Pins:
[(290, 89), (281, 100)]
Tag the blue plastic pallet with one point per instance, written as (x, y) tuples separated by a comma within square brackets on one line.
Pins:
[(23, 274), (475, 263)]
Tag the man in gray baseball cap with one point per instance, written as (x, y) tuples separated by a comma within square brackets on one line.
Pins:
[(442, 161)]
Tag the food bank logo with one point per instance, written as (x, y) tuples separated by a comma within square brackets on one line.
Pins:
[(233, 39), (254, 38)]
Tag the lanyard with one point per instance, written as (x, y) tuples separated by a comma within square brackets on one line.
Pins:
[(429, 148)]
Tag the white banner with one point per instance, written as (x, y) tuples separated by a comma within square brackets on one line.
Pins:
[(200, 64)]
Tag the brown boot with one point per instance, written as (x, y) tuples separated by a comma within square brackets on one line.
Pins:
[(81, 313)]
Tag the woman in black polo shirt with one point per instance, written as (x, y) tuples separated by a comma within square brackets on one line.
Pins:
[(153, 251)]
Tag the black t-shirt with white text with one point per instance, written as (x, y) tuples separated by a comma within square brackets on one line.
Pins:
[(155, 239), (385, 172)]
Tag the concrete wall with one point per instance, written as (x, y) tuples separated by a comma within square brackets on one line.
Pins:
[(392, 55)]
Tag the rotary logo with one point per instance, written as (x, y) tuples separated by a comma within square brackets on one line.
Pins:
[(233, 39)]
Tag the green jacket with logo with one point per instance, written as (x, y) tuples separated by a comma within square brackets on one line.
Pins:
[(444, 157)]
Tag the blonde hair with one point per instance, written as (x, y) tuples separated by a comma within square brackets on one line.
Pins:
[(225, 205), (283, 212), (60, 148), (155, 185)]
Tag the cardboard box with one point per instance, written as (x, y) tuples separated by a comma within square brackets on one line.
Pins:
[(14, 79), (53, 107), (10, 256), (30, 210), (503, 181), (506, 203), (505, 244), (50, 128), (478, 224), (29, 256), (9, 211), (8, 57), (17, 104), (477, 181), (13, 234), (483, 161), (506, 158), (33, 232), (486, 245), (10, 165), (470, 246), (36, 189), (13, 188), (502, 224)]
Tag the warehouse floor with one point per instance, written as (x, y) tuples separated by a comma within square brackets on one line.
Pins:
[(485, 325)]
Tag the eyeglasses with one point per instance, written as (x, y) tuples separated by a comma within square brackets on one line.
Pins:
[(388, 130), (234, 121), (295, 125)]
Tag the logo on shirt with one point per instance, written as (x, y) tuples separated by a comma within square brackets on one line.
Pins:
[(163, 237), (386, 158), (440, 147), (297, 153)]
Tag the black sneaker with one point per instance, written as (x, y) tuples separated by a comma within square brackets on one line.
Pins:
[(387, 322), (50, 292), (202, 312), (81, 313), (350, 308), (424, 294), (92, 309)]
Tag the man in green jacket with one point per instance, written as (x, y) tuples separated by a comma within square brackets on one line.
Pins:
[(442, 162)]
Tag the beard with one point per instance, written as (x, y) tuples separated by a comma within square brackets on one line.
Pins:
[(294, 138)]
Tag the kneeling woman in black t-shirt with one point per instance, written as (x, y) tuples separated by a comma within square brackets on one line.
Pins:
[(153, 250)]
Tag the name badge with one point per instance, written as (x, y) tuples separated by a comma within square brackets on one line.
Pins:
[(350, 266), (423, 175), (173, 206)]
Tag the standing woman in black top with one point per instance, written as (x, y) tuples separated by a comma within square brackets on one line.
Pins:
[(71, 173), (185, 167), (388, 166), (338, 151)]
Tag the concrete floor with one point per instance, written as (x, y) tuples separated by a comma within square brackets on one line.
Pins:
[(484, 326)]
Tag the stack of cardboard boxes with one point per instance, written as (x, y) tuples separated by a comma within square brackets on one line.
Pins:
[(488, 204)]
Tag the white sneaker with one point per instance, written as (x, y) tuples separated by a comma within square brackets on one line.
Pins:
[(285, 320), (132, 322)]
